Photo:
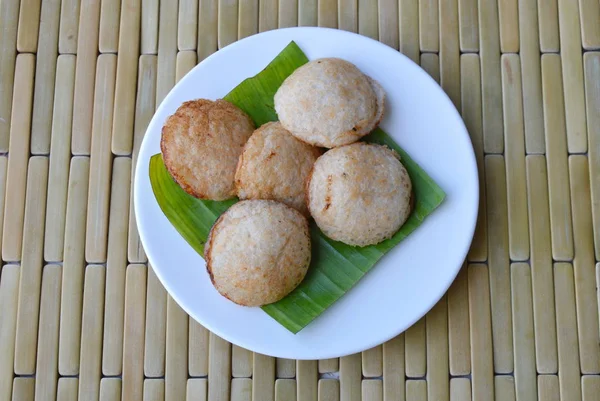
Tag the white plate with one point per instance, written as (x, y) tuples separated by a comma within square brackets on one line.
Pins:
[(406, 282)]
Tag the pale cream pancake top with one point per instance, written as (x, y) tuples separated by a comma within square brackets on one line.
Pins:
[(201, 144), (359, 194), (258, 251), (274, 165), (329, 102)]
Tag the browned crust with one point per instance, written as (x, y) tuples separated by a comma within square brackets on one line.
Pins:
[(307, 188), (317, 150), (380, 106), (171, 124), (179, 179), (381, 115), (412, 202), (208, 258), (208, 248), (328, 192), (307, 182), (238, 167)]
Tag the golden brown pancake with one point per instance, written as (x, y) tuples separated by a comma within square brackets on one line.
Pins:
[(201, 144), (274, 165)]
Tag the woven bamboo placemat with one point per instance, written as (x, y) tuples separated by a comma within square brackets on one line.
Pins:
[(82, 315)]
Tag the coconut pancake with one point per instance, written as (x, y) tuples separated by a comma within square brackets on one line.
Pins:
[(258, 251), (359, 194), (274, 165), (201, 144), (329, 102)]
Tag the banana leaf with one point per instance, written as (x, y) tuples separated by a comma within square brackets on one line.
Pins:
[(335, 267)]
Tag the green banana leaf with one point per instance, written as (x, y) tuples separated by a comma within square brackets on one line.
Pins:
[(335, 267)]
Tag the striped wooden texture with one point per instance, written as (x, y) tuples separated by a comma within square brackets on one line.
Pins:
[(84, 317)]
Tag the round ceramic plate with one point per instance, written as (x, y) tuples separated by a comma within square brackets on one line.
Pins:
[(407, 282)]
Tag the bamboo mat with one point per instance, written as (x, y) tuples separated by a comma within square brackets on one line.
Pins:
[(82, 315)]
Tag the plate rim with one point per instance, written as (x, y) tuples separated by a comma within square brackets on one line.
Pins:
[(366, 344)]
